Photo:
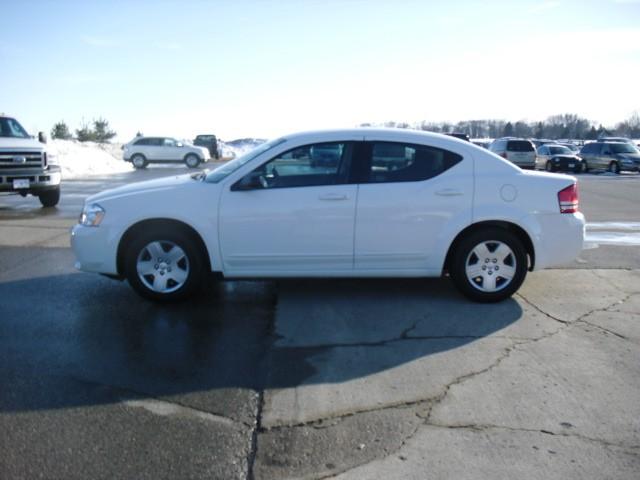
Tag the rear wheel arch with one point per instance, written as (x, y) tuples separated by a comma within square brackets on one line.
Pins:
[(164, 223), (522, 235)]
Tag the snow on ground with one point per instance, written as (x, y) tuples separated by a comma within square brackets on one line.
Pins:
[(81, 159)]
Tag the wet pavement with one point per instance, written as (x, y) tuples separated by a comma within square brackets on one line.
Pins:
[(309, 379)]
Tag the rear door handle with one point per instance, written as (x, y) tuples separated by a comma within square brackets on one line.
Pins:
[(333, 196), (449, 192)]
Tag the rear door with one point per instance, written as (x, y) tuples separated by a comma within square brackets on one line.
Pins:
[(409, 197)]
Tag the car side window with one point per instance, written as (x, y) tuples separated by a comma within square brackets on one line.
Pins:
[(142, 142), (169, 142), (309, 165), (399, 162)]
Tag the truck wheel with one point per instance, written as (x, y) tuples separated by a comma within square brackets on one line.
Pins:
[(164, 265), (489, 265), (139, 161), (192, 160), (49, 198)]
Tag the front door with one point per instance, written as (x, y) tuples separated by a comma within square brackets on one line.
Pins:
[(292, 215)]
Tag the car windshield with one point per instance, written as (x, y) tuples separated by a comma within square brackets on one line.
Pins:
[(228, 168), (10, 127), (623, 148), (559, 151)]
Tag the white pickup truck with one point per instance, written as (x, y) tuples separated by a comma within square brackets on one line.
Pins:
[(25, 165)]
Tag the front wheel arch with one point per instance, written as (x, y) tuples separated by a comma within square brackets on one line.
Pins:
[(167, 223), (522, 235)]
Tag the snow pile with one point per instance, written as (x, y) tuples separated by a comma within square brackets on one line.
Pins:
[(87, 158), (236, 148)]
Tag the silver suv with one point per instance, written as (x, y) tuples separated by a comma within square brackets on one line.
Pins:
[(144, 150), (519, 151)]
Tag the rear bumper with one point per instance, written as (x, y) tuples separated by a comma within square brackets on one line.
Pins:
[(38, 181), (557, 238)]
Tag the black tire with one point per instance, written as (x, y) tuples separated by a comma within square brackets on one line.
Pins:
[(192, 160), (614, 167), (514, 262), (549, 166), (139, 161), (49, 198), (191, 265)]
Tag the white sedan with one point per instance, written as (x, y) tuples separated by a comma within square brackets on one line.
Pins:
[(392, 203)]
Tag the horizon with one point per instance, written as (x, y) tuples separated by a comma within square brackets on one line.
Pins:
[(259, 69)]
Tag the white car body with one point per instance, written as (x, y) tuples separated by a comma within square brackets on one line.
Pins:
[(162, 150), (395, 229)]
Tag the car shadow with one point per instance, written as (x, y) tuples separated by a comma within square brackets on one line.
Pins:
[(77, 339)]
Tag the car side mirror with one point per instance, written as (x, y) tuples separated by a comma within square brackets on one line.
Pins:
[(252, 181), (42, 137)]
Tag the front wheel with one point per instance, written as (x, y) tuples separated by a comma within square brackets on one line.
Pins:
[(139, 161), (50, 198), (489, 265), (164, 265)]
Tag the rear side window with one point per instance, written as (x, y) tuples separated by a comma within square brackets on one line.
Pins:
[(520, 146), (590, 148), (399, 162)]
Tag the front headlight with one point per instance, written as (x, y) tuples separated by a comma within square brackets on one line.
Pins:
[(91, 215)]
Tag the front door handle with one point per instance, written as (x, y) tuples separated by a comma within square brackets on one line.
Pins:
[(333, 196), (449, 192)]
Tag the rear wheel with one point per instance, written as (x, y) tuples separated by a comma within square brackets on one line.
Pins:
[(50, 198), (164, 265), (489, 265), (192, 160), (614, 167)]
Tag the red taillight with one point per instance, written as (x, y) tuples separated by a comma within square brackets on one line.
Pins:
[(568, 199)]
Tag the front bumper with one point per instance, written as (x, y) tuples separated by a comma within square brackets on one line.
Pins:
[(95, 249), (38, 180)]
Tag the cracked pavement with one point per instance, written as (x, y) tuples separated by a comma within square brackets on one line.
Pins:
[(543, 386)]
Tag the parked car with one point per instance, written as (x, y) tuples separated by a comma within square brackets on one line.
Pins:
[(612, 156), (554, 158), (210, 142), (615, 139), (27, 167), (460, 135), (443, 207), (144, 150), (518, 151)]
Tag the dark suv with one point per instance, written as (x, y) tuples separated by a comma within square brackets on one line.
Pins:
[(611, 156), (208, 141)]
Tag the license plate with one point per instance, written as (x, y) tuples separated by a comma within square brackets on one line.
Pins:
[(21, 183)]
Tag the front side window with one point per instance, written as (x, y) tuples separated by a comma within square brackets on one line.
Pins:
[(309, 165), (399, 162), (223, 171), (169, 142), (623, 148)]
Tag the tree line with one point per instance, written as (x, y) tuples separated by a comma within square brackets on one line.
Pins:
[(566, 126), (98, 131)]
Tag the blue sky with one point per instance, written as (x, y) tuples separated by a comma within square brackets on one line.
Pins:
[(264, 68)]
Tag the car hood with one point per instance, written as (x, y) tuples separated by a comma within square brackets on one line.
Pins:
[(26, 143), (158, 184)]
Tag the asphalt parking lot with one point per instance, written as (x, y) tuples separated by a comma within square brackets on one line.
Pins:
[(375, 379)]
